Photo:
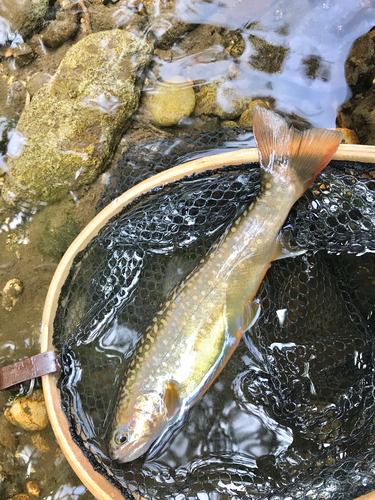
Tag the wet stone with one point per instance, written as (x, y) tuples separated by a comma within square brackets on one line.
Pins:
[(7, 438), (246, 119), (69, 131), (60, 30), (36, 82), (349, 136), (30, 413), (40, 443), (170, 102), (359, 66), (229, 124), (205, 44), (33, 488), (220, 99), (363, 118), (23, 54), (11, 293), (25, 16), (55, 239), (167, 30), (102, 17), (268, 57)]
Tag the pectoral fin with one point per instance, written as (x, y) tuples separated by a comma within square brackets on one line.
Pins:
[(284, 249), (172, 398), (248, 317)]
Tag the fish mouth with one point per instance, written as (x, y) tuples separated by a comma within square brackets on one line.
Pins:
[(130, 452)]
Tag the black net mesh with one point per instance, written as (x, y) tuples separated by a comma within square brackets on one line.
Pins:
[(292, 414)]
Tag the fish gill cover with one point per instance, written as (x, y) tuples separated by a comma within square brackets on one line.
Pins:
[(293, 410)]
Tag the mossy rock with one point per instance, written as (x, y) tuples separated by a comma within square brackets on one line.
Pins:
[(220, 99), (25, 16), (68, 133)]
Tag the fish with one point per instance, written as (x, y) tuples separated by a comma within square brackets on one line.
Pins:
[(197, 329)]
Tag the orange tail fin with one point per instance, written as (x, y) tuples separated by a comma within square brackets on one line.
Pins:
[(307, 153)]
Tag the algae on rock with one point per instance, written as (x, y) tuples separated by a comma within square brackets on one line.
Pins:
[(219, 98), (25, 16), (69, 131)]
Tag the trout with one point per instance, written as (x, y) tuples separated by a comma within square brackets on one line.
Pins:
[(196, 331)]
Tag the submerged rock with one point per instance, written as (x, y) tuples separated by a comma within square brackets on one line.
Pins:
[(11, 293), (65, 26), (69, 131), (363, 118), (220, 99), (24, 16), (36, 82), (40, 443), (55, 239), (33, 488), (170, 102), (246, 119), (348, 136), (7, 438), (30, 413), (359, 67)]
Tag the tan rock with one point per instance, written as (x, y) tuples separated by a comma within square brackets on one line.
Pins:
[(30, 413), (349, 136), (229, 124), (171, 101), (7, 438), (20, 496), (246, 119), (215, 98), (11, 293), (40, 443), (33, 488)]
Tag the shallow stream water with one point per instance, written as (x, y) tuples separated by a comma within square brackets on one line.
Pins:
[(292, 57)]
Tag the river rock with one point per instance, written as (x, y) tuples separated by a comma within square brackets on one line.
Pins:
[(359, 66), (11, 293), (24, 16), (220, 99), (246, 119), (170, 102), (363, 118), (348, 136), (65, 26), (30, 413), (33, 488), (68, 133), (7, 438)]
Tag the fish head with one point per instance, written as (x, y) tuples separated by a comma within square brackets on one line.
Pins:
[(138, 426)]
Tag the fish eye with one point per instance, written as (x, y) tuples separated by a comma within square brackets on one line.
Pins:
[(121, 437)]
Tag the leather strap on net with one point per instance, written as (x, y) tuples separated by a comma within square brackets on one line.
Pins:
[(27, 369)]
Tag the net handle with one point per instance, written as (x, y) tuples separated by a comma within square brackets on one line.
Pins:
[(95, 482)]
